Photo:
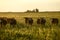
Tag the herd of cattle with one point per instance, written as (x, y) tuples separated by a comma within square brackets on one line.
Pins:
[(41, 20), (4, 21), (12, 21)]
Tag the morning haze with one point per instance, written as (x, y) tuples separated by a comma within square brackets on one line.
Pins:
[(23, 5)]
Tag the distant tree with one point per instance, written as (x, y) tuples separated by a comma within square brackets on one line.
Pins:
[(28, 10), (37, 10), (33, 11)]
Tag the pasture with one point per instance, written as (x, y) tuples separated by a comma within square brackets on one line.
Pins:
[(21, 31)]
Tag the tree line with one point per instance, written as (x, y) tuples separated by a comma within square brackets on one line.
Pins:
[(32, 11)]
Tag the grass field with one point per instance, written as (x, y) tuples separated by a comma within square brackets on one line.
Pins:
[(34, 32)]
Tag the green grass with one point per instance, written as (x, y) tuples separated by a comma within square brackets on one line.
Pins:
[(30, 33), (34, 32)]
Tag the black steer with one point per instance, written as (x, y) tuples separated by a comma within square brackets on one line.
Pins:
[(29, 21), (55, 21), (3, 21), (11, 21), (41, 21)]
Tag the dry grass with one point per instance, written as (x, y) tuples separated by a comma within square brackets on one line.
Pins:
[(35, 32)]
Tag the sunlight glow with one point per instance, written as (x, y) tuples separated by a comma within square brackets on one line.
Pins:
[(23, 5)]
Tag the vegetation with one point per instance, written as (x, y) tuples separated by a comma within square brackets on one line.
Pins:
[(23, 32), (33, 11), (28, 32)]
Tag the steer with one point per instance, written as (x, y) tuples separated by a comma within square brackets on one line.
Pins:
[(41, 21), (55, 21), (3, 21), (11, 21), (28, 20)]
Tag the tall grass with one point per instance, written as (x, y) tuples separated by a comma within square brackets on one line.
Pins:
[(24, 32)]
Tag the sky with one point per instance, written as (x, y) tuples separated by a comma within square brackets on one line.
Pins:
[(23, 5)]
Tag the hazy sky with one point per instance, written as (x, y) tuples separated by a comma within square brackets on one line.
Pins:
[(23, 5)]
